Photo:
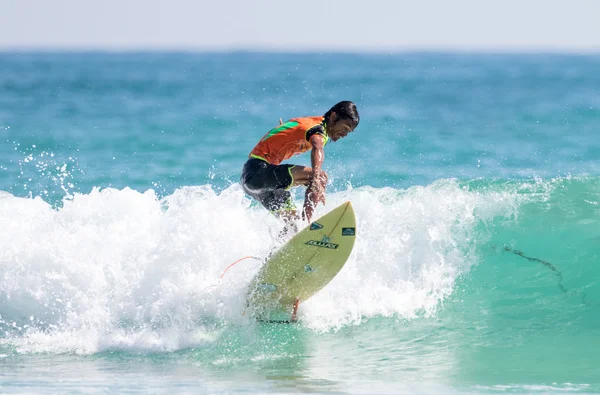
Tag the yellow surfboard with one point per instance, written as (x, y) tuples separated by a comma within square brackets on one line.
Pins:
[(303, 266)]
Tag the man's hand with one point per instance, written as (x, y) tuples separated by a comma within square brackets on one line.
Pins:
[(308, 210), (309, 205), (315, 194), (317, 188)]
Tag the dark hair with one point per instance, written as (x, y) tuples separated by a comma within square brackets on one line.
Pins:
[(344, 110)]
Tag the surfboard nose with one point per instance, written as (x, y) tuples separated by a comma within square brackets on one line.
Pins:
[(349, 206)]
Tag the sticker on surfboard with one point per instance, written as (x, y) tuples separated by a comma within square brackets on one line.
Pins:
[(348, 231), (266, 287), (316, 226), (309, 269), (324, 243)]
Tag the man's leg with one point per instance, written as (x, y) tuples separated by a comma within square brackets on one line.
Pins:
[(271, 185), (279, 203), (302, 175)]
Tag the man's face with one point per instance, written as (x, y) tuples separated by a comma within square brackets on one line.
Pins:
[(339, 128)]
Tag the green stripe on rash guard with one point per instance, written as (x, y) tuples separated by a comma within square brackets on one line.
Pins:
[(285, 126), (326, 134)]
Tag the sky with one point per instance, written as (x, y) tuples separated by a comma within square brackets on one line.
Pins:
[(304, 25)]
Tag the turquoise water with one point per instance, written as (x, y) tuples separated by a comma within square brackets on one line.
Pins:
[(475, 180)]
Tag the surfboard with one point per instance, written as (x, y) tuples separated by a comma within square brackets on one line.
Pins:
[(302, 266)]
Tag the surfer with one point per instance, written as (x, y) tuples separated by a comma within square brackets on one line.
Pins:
[(269, 182)]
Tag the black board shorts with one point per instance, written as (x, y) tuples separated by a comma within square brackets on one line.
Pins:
[(269, 184)]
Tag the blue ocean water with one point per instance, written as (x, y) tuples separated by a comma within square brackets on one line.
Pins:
[(475, 179)]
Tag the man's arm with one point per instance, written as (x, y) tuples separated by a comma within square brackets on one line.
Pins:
[(317, 156), (315, 192)]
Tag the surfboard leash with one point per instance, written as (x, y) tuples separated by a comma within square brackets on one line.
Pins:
[(239, 260)]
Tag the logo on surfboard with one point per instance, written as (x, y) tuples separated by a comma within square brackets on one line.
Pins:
[(316, 226), (324, 243), (348, 231), (309, 269)]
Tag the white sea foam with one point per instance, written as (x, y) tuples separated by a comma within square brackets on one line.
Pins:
[(120, 269)]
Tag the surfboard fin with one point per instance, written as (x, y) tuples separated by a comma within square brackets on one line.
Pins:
[(295, 311)]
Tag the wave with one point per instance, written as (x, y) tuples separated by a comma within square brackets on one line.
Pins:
[(122, 269)]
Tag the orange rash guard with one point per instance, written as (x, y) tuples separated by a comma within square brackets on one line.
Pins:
[(289, 139)]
